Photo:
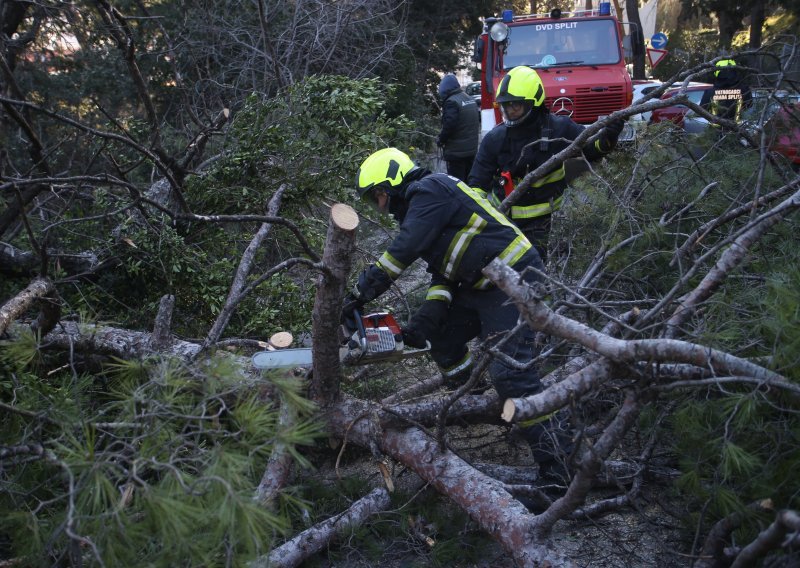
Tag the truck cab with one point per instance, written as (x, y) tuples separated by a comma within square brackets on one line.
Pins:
[(578, 56)]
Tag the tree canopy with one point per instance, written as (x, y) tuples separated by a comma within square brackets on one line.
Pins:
[(176, 185)]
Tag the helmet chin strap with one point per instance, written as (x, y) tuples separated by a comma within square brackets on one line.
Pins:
[(508, 122), (397, 203)]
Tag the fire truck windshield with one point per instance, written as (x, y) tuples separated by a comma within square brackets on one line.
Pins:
[(562, 42)]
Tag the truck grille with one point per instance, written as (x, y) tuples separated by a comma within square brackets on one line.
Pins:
[(588, 104)]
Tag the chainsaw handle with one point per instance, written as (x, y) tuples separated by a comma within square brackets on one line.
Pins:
[(362, 333)]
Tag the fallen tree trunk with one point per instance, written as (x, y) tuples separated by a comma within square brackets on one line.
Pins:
[(16, 306), (313, 540), (112, 341), (483, 498)]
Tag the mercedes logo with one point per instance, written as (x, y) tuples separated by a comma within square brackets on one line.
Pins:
[(562, 106)]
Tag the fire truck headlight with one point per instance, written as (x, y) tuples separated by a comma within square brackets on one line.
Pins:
[(499, 32)]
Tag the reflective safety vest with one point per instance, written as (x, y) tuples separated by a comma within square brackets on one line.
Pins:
[(474, 234)]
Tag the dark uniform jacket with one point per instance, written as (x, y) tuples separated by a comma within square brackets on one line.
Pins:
[(504, 149), (455, 230), (461, 125)]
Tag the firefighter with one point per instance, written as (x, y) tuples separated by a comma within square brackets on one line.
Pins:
[(729, 89), (506, 154), (461, 127), (457, 232)]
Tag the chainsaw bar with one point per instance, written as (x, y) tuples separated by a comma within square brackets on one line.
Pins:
[(282, 359), (293, 358), (378, 339)]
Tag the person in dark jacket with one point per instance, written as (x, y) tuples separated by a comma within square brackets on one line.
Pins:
[(455, 229), (730, 91), (507, 153), (461, 126)]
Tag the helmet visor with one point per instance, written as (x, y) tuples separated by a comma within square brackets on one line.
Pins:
[(377, 196), (515, 111)]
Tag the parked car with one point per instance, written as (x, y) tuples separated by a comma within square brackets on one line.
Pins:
[(474, 90), (699, 93), (642, 87), (780, 112)]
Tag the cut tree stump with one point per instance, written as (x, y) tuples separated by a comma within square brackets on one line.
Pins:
[(281, 340), (337, 260)]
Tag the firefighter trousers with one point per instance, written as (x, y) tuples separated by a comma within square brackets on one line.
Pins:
[(489, 315)]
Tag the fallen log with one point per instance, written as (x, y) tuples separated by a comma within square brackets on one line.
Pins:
[(316, 538), (19, 304)]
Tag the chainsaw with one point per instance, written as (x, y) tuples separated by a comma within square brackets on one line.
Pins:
[(377, 339)]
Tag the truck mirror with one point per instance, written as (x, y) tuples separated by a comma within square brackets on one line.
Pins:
[(477, 52), (626, 47)]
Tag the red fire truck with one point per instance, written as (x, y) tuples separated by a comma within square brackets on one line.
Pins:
[(578, 56)]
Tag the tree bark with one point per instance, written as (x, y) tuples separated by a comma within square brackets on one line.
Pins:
[(756, 24), (235, 294), (542, 318), (17, 262), (314, 540), (483, 498), (161, 336), (16, 306), (279, 465), (337, 258), (769, 539), (637, 39), (112, 341), (712, 555)]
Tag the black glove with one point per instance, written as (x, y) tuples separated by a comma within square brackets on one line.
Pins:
[(439, 142), (372, 282), (430, 317), (611, 132), (350, 305), (414, 337)]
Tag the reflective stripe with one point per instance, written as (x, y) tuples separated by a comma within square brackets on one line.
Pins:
[(556, 175), (439, 293), (458, 367), (390, 265), (536, 210), (535, 421), (599, 148), (510, 256), (460, 243), (480, 192), (487, 206)]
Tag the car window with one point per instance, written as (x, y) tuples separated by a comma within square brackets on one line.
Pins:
[(473, 89), (696, 96)]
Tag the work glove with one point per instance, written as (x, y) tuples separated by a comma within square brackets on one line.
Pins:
[(610, 134), (372, 282), (430, 317), (351, 304), (413, 337)]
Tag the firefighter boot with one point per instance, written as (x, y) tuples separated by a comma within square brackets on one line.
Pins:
[(551, 445)]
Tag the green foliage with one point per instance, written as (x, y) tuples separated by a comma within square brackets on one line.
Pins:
[(153, 463), (312, 139), (456, 540), (735, 443), (688, 48), (781, 317)]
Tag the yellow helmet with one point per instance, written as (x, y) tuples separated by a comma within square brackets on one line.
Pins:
[(385, 169), (724, 63), (521, 84)]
